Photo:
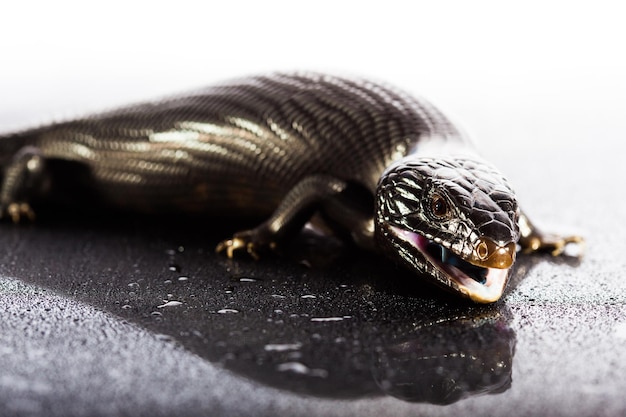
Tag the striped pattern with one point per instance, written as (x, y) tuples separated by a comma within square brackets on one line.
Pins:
[(238, 147)]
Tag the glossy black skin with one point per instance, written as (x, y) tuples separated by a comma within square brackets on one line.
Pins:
[(239, 147), (279, 147), (242, 145)]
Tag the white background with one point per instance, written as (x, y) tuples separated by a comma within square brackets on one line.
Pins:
[(493, 65)]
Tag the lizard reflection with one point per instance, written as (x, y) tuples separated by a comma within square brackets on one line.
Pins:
[(449, 360)]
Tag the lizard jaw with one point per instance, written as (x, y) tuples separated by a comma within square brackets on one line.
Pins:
[(480, 284)]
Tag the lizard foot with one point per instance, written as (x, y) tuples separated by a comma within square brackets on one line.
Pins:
[(554, 244), (18, 212), (244, 241)]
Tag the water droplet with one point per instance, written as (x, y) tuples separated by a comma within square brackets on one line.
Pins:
[(386, 385), (326, 319), (278, 311), (133, 285), (174, 268), (156, 313), (170, 252), (126, 306), (169, 304), (301, 369), (164, 337), (227, 311), (308, 296), (247, 279), (183, 278), (282, 347), (167, 281), (180, 249), (278, 296)]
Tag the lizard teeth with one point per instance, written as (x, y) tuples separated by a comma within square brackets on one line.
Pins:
[(445, 255)]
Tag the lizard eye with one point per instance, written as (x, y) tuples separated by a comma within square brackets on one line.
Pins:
[(439, 206)]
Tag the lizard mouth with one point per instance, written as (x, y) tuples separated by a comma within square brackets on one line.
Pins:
[(481, 283)]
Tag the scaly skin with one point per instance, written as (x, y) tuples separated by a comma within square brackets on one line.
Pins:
[(389, 169)]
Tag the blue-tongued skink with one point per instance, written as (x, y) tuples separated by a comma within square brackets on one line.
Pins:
[(385, 168)]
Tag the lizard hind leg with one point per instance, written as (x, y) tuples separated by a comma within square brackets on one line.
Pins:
[(22, 180)]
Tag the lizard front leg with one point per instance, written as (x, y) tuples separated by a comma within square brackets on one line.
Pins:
[(22, 179), (333, 197)]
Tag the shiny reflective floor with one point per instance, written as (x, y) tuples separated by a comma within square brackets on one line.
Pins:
[(323, 322), (352, 327)]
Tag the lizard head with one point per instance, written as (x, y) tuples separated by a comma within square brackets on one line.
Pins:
[(454, 221)]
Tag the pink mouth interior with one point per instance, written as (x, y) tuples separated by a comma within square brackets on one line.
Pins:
[(486, 292)]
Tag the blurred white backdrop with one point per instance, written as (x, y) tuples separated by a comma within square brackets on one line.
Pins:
[(558, 63)]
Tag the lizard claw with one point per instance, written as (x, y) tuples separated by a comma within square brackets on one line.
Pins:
[(253, 242), (236, 244), (18, 212), (561, 243), (554, 244)]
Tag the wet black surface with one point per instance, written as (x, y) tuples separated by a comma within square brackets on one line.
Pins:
[(322, 320)]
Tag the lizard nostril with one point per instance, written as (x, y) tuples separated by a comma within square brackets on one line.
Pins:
[(489, 254)]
